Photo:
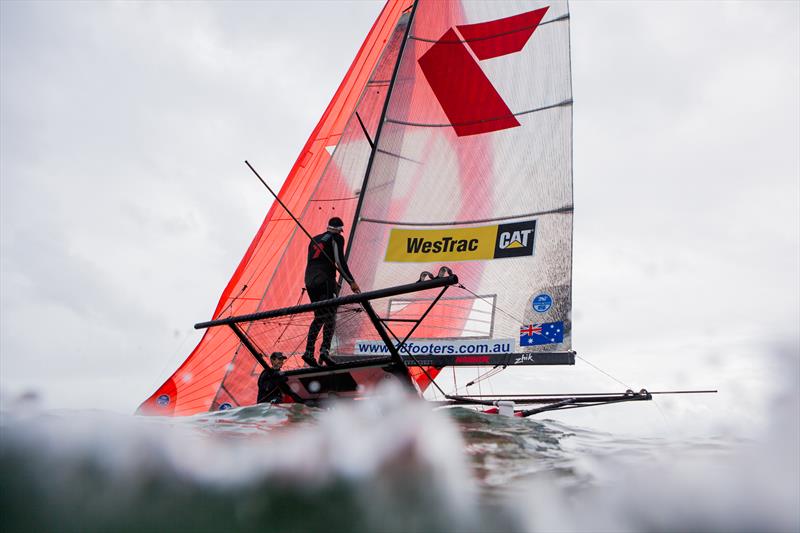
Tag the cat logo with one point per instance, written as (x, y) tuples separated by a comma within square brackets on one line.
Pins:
[(461, 244), (515, 240)]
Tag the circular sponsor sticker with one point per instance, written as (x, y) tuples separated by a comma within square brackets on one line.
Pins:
[(225, 406), (163, 400), (542, 302)]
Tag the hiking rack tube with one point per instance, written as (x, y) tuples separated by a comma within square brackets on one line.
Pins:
[(361, 298)]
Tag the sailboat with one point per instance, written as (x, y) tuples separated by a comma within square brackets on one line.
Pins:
[(447, 151)]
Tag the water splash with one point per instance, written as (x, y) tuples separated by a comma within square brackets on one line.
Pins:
[(390, 464), (358, 467)]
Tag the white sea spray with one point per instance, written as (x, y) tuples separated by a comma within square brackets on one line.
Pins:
[(393, 464), (684, 483), (358, 466)]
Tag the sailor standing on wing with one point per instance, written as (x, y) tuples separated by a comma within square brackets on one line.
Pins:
[(325, 256)]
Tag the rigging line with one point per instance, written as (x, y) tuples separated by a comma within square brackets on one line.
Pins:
[(244, 287), (303, 337), (559, 210), (424, 371), (663, 416), (460, 285), (463, 303), (401, 318), (277, 199), (493, 36), (523, 397), (603, 372), (291, 318), (482, 121), (231, 396), (411, 332), (477, 334), (496, 369), (164, 373), (267, 326), (409, 300), (297, 346)]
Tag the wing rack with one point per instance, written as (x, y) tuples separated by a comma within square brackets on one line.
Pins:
[(344, 379)]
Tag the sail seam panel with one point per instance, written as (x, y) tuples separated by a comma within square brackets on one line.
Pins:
[(564, 103), (493, 36), (334, 199), (558, 211)]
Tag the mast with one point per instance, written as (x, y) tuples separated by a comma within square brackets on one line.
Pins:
[(376, 140)]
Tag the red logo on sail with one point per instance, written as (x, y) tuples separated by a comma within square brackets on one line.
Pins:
[(466, 95)]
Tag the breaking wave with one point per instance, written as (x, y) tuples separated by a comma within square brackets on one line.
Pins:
[(392, 464)]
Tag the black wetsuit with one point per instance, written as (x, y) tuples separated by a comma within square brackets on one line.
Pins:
[(273, 386), (320, 280)]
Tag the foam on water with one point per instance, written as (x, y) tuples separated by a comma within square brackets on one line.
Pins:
[(389, 464)]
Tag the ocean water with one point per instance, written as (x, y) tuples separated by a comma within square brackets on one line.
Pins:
[(392, 464)]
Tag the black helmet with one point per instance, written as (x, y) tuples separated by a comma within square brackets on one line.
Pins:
[(336, 224)]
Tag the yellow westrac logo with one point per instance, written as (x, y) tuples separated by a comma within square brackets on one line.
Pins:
[(461, 244)]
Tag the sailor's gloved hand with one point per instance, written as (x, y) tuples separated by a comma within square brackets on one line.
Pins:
[(355, 288)]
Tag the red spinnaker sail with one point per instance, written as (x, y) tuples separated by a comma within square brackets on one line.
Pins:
[(196, 383)]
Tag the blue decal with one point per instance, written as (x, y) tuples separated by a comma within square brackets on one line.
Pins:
[(163, 400), (537, 334), (542, 302), (225, 406)]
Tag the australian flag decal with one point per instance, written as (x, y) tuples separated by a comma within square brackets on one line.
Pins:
[(536, 334)]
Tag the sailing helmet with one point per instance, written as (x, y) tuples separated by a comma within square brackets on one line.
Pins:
[(335, 224)]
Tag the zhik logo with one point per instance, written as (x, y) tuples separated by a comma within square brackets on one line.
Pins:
[(466, 95)]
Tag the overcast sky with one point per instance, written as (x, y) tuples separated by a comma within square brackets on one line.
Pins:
[(125, 205)]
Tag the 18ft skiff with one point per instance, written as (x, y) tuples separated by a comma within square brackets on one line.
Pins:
[(449, 142)]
